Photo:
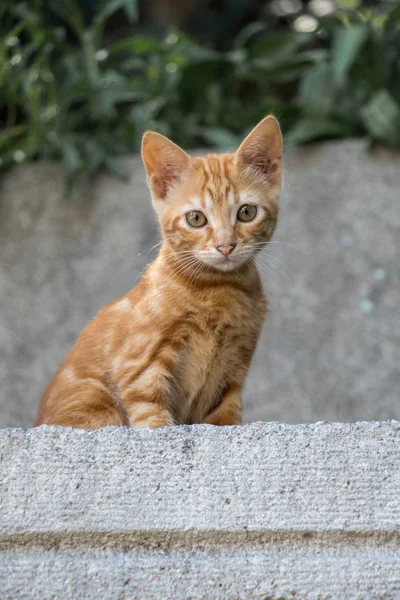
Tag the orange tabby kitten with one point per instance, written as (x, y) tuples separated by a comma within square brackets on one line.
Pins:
[(176, 349)]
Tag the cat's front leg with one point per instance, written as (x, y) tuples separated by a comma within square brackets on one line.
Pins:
[(147, 399), (229, 410), (148, 414), (149, 396)]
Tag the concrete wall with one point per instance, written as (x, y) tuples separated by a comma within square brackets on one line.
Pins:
[(330, 350), (264, 511)]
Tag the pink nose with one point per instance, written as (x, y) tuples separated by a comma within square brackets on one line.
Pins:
[(226, 249)]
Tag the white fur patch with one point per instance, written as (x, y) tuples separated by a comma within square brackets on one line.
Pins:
[(69, 375), (208, 200), (248, 198), (195, 200), (123, 305), (233, 215), (231, 200), (193, 204)]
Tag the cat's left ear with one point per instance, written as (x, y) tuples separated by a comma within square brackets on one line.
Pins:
[(261, 152), (165, 163)]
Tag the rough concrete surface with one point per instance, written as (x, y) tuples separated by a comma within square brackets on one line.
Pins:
[(330, 350), (264, 511)]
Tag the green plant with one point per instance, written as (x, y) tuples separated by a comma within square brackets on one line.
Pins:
[(355, 89), (68, 91), (57, 99)]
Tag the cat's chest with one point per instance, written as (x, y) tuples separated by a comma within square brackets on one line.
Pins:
[(212, 353), (208, 348), (205, 359)]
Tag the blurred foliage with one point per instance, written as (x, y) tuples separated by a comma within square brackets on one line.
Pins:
[(69, 90)]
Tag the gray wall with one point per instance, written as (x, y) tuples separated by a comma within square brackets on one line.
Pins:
[(330, 350)]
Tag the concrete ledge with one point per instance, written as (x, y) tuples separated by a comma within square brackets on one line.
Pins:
[(260, 511)]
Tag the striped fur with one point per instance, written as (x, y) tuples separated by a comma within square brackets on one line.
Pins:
[(176, 349)]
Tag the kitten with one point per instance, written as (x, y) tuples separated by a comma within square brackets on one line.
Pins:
[(176, 349)]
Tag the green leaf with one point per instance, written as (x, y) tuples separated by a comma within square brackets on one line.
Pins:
[(275, 65), (348, 4), (393, 20), (139, 44), (71, 13), (9, 133), (347, 44), (106, 9), (132, 9), (317, 91), (115, 166), (278, 45), (71, 157), (247, 33), (89, 50), (105, 99), (195, 53), (311, 129), (217, 136), (381, 117)]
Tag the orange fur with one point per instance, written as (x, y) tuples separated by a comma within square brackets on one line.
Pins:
[(176, 349)]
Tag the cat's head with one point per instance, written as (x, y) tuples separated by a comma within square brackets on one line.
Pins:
[(219, 209)]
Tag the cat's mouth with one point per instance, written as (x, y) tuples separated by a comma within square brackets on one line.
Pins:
[(224, 263)]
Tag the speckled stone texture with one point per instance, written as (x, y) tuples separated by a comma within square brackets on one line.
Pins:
[(331, 348), (263, 511)]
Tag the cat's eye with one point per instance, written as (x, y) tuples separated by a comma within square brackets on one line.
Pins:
[(247, 212), (195, 218)]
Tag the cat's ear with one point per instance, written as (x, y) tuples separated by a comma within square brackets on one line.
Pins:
[(165, 163), (261, 152)]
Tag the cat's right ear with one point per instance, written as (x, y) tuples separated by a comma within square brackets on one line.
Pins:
[(165, 163), (260, 154)]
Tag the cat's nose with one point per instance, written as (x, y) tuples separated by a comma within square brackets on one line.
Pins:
[(226, 249)]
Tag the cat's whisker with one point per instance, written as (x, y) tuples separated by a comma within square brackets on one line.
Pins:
[(276, 242), (274, 263), (203, 266), (179, 270), (272, 249), (265, 270), (197, 272), (281, 269), (186, 268), (274, 253), (176, 257), (194, 275), (142, 271), (290, 245), (298, 170), (183, 265), (179, 256), (269, 260), (145, 252)]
